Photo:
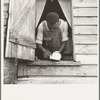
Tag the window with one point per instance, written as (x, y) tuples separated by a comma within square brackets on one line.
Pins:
[(24, 18), (63, 8)]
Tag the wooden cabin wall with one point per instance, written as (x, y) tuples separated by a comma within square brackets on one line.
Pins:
[(85, 31), (85, 39), (85, 49), (10, 69)]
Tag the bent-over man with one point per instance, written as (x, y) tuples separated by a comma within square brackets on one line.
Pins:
[(52, 35)]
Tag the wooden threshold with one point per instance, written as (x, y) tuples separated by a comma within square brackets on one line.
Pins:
[(57, 63)]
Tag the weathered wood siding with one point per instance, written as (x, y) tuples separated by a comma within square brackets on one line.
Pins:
[(61, 68), (56, 73), (85, 39), (85, 30)]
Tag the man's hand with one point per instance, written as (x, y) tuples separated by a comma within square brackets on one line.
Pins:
[(46, 54)]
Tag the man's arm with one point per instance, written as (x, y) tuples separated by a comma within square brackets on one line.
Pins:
[(39, 40), (46, 53), (62, 46), (64, 31)]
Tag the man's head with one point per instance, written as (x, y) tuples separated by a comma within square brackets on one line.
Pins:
[(52, 19)]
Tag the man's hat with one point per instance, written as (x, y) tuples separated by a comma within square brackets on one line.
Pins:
[(52, 18)]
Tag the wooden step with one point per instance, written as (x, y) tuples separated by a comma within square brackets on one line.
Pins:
[(41, 69), (48, 72), (57, 80), (54, 63)]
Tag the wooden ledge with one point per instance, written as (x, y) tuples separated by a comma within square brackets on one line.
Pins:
[(57, 63)]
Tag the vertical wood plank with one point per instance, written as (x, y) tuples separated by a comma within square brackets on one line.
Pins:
[(33, 54), (23, 55), (19, 52), (28, 50), (14, 50), (20, 69), (8, 44), (8, 50)]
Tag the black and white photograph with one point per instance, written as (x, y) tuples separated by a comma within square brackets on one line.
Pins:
[(50, 42)]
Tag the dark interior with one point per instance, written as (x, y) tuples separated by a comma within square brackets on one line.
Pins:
[(54, 6)]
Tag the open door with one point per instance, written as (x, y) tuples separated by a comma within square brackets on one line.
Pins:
[(21, 30)]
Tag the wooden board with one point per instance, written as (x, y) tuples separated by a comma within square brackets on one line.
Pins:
[(85, 30), (53, 63), (23, 53), (8, 51), (87, 59), (85, 11), (13, 50), (21, 71), (85, 21), (8, 44), (23, 41), (86, 49), (58, 80), (85, 39), (84, 3), (84, 70)]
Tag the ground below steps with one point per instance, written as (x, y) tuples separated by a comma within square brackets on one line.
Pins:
[(57, 80)]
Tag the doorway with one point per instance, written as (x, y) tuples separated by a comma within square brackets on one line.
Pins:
[(54, 6)]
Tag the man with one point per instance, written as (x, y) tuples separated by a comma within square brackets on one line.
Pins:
[(51, 35)]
